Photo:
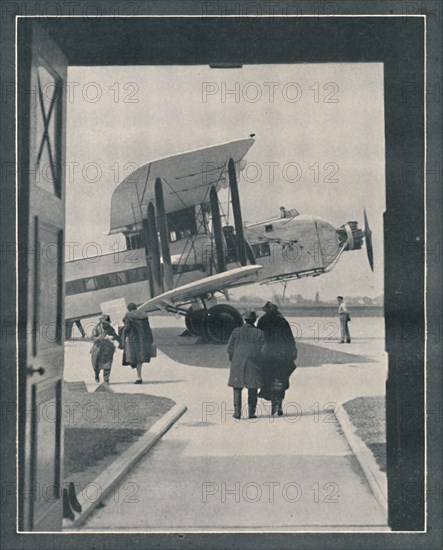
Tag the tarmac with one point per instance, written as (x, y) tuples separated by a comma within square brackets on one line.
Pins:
[(212, 472)]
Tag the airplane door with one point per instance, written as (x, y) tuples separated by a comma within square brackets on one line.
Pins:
[(41, 223)]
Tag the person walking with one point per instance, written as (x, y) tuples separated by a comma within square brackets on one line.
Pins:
[(102, 351), (137, 340), (280, 352), (344, 317), (244, 351)]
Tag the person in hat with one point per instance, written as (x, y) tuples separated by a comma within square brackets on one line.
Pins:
[(244, 351), (137, 340), (280, 352), (102, 351), (344, 318)]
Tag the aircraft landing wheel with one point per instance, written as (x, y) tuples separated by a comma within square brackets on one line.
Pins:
[(194, 321), (221, 321)]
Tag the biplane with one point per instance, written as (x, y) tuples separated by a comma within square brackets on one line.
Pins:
[(182, 252)]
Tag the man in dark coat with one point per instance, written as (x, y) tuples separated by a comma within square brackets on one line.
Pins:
[(102, 351), (279, 353), (244, 351), (137, 340)]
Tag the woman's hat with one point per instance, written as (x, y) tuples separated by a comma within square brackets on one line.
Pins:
[(269, 306), (250, 315), (105, 319)]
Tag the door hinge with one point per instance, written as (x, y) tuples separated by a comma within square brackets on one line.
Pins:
[(30, 371)]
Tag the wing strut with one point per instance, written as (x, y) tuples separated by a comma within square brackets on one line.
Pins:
[(236, 209), (217, 229), (168, 277), (154, 250)]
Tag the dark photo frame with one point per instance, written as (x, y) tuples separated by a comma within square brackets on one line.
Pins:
[(407, 45)]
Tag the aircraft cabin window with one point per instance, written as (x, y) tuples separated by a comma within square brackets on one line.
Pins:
[(134, 242), (90, 284), (122, 278), (79, 286), (113, 279), (268, 228), (182, 224), (261, 249), (133, 275), (102, 281)]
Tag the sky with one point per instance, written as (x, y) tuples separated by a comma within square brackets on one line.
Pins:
[(319, 131)]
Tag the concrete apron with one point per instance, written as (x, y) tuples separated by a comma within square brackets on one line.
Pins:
[(213, 472)]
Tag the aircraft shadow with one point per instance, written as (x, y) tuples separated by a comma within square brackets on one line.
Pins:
[(185, 350)]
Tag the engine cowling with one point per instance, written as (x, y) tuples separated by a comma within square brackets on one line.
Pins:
[(351, 235)]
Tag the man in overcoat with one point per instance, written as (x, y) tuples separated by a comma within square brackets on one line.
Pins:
[(137, 340), (280, 352), (244, 351)]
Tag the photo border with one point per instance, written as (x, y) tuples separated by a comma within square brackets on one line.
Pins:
[(432, 197)]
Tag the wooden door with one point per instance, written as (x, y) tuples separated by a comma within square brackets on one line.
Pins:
[(41, 222)]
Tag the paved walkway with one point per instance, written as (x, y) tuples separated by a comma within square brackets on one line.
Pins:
[(211, 471)]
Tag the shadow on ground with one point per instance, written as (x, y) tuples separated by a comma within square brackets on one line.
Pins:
[(185, 350)]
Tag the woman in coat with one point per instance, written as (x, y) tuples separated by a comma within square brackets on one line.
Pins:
[(279, 353), (137, 340), (102, 351), (244, 351)]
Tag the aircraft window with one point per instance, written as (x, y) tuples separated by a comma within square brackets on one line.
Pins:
[(142, 273), (113, 279), (172, 236), (260, 250), (134, 242), (90, 284), (268, 228), (182, 223), (133, 275), (122, 278), (79, 286), (102, 281), (69, 289)]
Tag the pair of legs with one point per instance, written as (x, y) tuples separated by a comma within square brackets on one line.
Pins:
[(277, 402), (252, 402), (277, 396), (106, 373), (345, 335)]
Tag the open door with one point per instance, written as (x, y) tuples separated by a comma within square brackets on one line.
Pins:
[(41, 221)]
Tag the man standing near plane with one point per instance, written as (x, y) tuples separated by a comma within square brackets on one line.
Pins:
[(244, 351), (343, 315)]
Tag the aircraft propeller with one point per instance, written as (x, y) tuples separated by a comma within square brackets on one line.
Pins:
[(368, 240)]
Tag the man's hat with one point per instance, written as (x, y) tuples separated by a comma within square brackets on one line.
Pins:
[(269, 306), (105, 319), (339, 297), (250, 315)]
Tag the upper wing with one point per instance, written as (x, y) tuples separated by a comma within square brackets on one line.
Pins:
[(188, 292), (186, 179)]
